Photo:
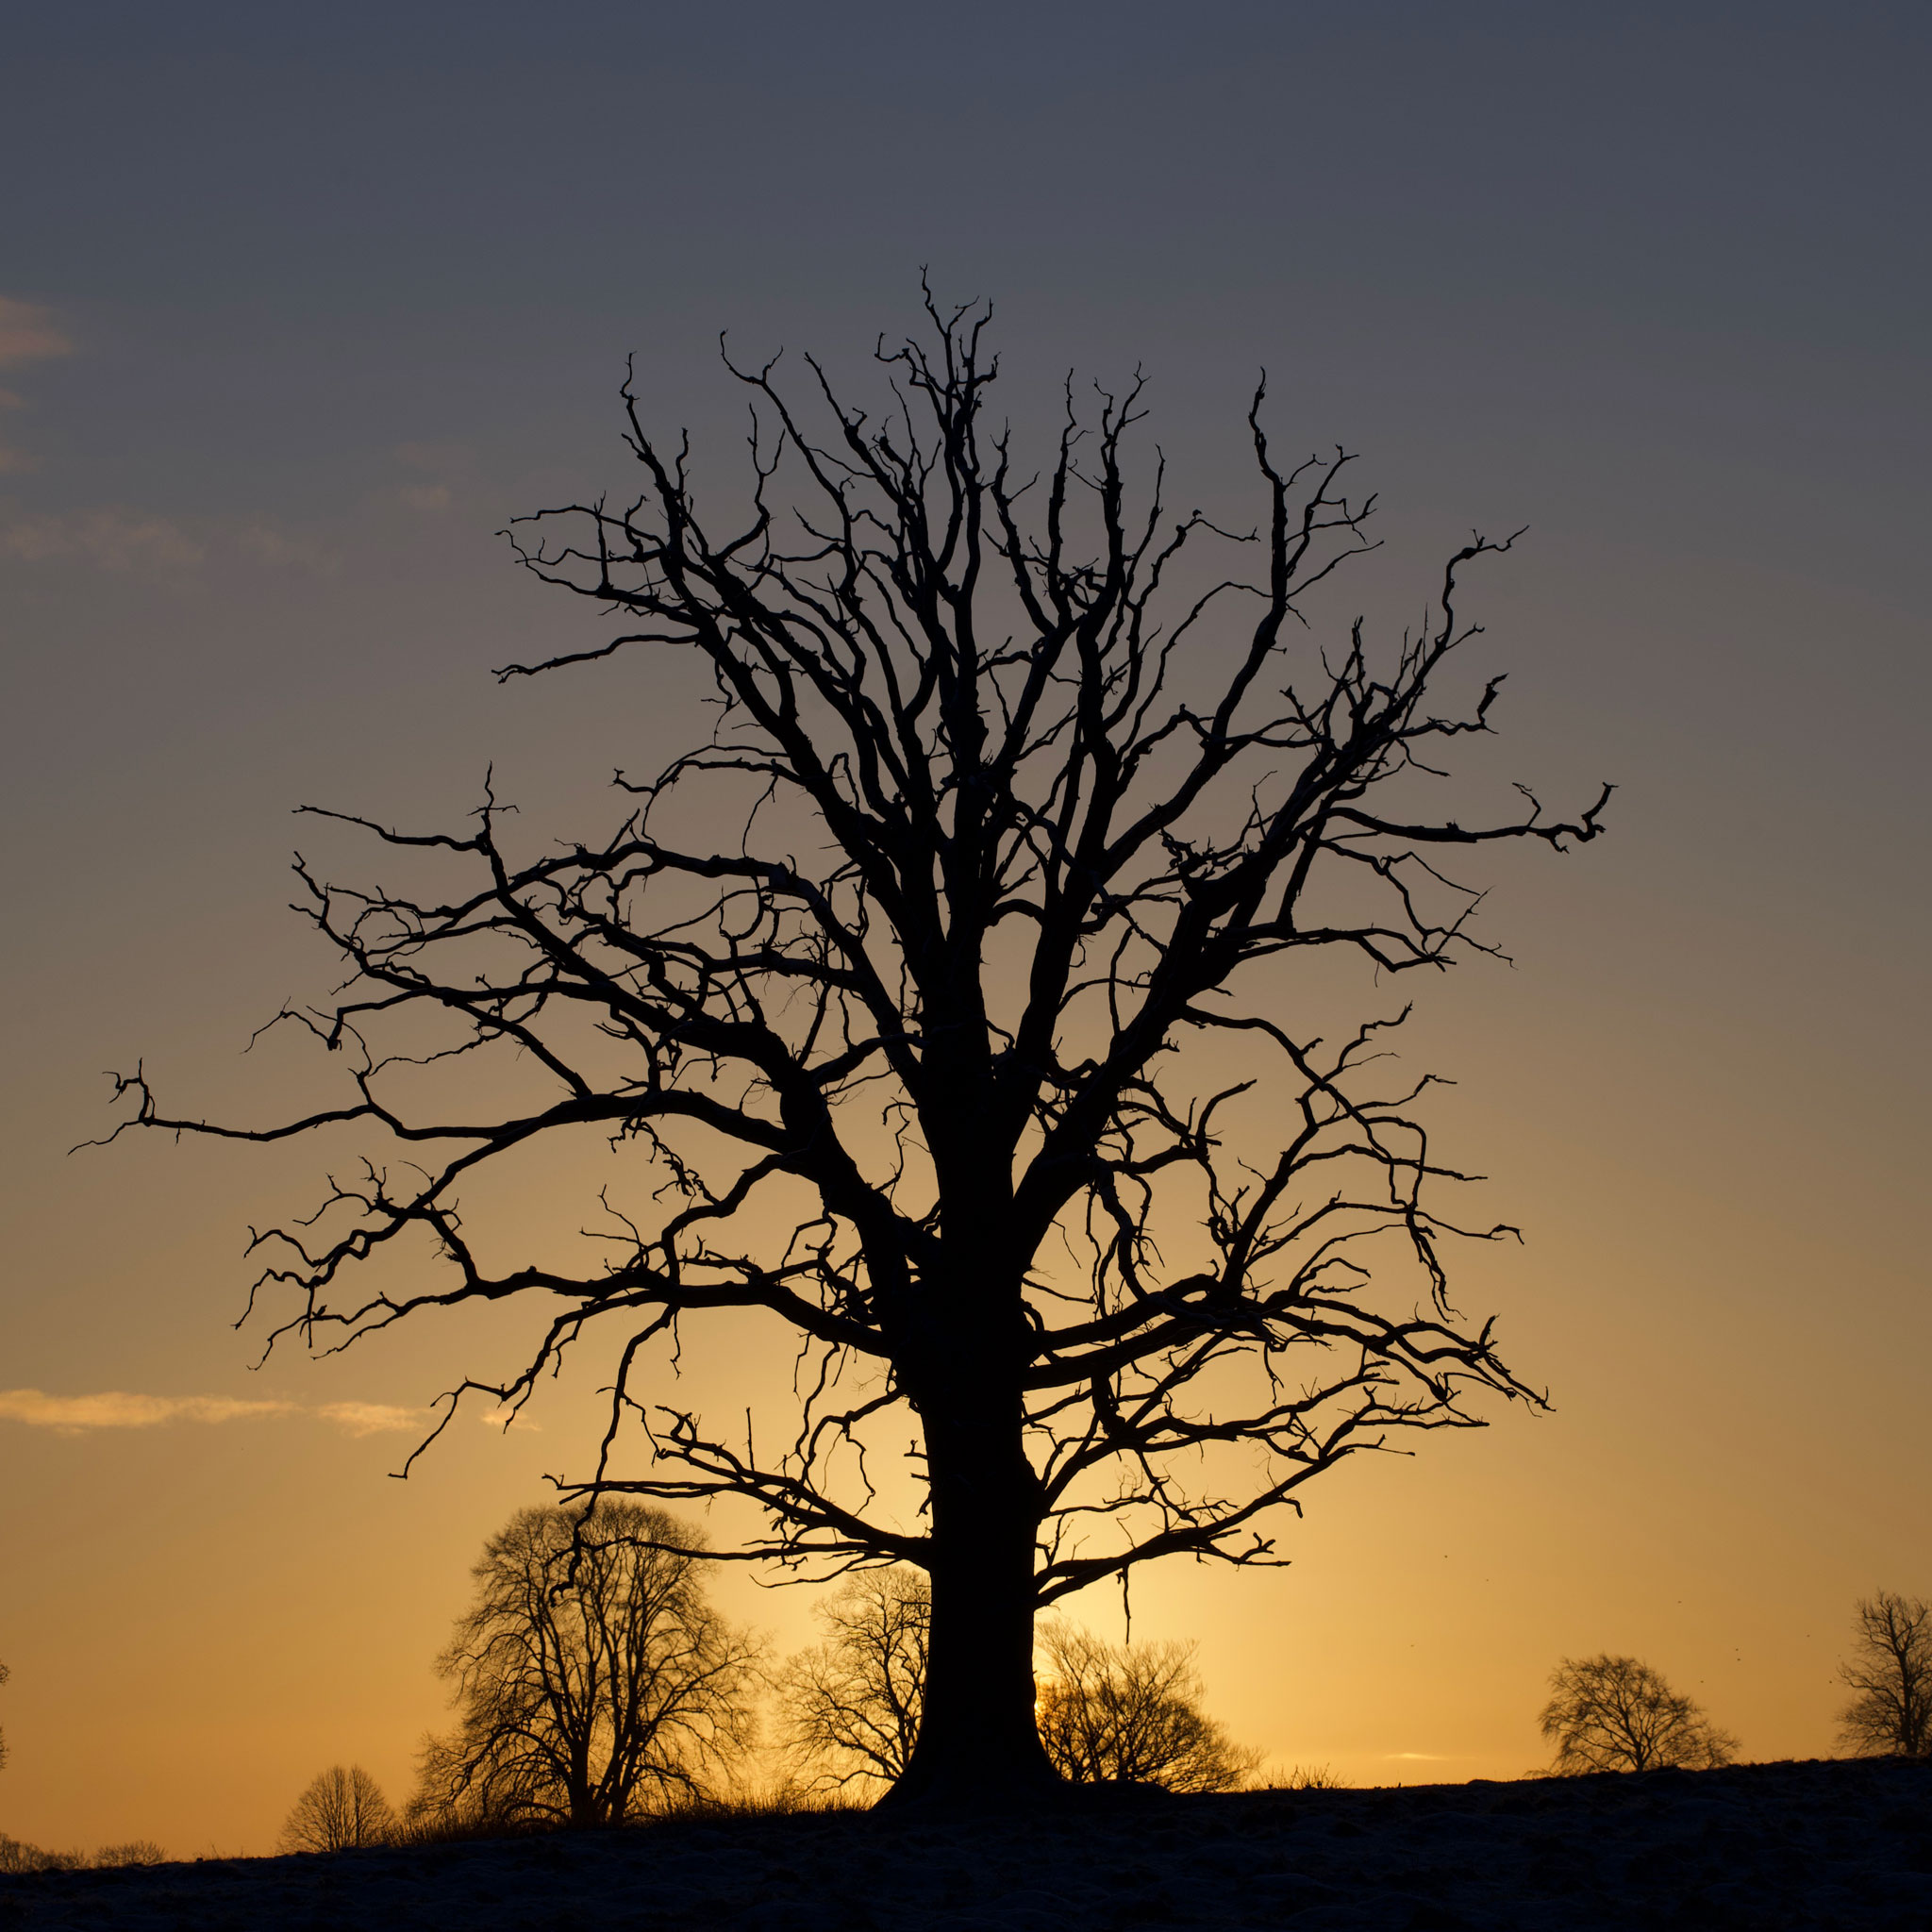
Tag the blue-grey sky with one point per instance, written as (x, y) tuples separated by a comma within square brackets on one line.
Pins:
[(297, 306)]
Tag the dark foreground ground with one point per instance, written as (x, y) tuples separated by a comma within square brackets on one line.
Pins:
[(1823, 1844)]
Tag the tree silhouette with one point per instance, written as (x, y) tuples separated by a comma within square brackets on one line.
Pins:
[(1131, 1713), (1107, 1713), (133, 1851), (17, 1857), (341, 1808), (1892, 1673), (851, 1704), (591, 1677), (1613, 1713), (956, 1001), (5, 1673)]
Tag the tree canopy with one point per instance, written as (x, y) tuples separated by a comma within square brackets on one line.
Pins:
[(851, 1703), (594, 1682), (953, 999), (1131, 1713), (340, 1809), (1891, 1674), (1615, 1713)]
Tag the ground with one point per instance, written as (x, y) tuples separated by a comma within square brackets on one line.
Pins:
[(1762, 1846)]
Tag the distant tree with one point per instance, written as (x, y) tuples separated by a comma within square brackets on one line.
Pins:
[(1315, 1777), (1106, 1713), (851, 1704), (593, 1679), (15, 1857), (1613, 1713), (135, 1851), (1892, 1673), (1131, 1713), (344, 1808)]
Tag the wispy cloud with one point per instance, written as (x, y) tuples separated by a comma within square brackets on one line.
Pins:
[(371, 1418), (115, 539), (28, 334), (117, 1409), (128, 540), (508, 1419), (438, 463), (281, 550), (1415, 1757)]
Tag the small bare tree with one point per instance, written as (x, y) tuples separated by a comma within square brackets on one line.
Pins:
[(1131, 1714), (592, 1675), (133, 1851), (16, 1857), (1613, 1713), (5, 1673), (1106, 1713), (851, 1703), (342, 1808), (1892, 1674)]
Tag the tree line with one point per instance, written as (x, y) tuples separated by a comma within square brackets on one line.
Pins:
[(1615, 1713), (593, 1684)]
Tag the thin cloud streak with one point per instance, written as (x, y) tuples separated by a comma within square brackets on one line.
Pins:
[(371, 1418), (28, 334), (121, 539), (116, 1409), (112, 540)]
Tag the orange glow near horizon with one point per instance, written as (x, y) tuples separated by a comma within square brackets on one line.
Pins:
[(319, 303)]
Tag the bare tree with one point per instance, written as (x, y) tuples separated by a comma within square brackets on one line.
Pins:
[(1892, 1674), (1043, 815), (1613, 1713), (1106, 1713), (851, 1704), (15, 1855), (134, 1851), (5, 1673), (342, 1808), (1131, 1713), (593, 1678)]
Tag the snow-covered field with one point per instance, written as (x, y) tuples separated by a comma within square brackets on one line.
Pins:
[(1763, 1846)]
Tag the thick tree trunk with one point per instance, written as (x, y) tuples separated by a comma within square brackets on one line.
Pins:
[(978, 1743)]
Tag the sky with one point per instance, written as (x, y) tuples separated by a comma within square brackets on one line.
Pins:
[(297, 307)]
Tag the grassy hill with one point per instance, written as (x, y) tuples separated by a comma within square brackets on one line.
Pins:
[(1774, 1845)]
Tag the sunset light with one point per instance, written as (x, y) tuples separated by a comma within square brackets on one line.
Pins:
[(1004, 924)]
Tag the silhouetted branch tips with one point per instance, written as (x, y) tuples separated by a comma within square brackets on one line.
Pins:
[(922, 1058)]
